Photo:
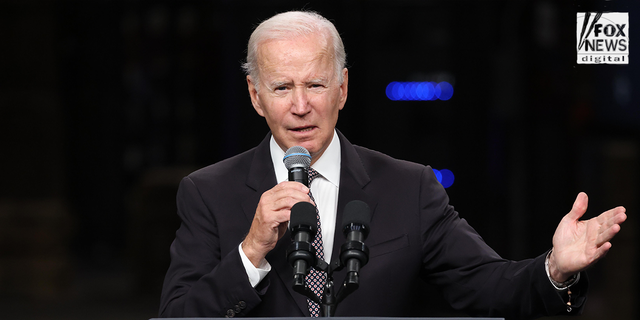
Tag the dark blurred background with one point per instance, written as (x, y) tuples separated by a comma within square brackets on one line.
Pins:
[(106, 105)]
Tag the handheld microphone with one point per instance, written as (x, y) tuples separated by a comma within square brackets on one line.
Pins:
[(303, 226), (355, 226), (297, 160)]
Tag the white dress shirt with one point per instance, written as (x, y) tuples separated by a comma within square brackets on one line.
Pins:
[(325, 192)]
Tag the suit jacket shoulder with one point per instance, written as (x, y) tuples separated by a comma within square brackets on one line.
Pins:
[(376, 162), (229, 169)]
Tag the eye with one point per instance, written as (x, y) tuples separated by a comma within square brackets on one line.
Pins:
[(281, 89)]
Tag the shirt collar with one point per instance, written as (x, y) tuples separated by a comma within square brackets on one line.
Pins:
[(328, 165)]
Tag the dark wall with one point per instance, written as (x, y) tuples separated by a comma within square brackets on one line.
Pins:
[(106, 104)]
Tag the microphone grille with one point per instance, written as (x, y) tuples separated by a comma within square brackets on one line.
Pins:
[(303, 215), (356, 212), (297, 157)]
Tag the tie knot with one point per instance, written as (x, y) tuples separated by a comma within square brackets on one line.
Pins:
[(312, 174)]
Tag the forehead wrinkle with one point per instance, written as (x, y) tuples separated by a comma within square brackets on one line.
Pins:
[(309, 75), (278, 63), (317, 80)]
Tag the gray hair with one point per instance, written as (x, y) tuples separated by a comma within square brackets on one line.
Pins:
[(290, 24)]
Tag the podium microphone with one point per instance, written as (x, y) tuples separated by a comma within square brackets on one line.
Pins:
[(355, 226), (300, 254), (297, 160)]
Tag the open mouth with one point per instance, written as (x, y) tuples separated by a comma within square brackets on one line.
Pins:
[(303, 129)]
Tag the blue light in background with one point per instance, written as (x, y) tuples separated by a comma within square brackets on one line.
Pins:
[(446, 90), (445, 177), (438, 175), (436, 91), (419, 91), (392, 90), (413, 95), (424, 91)]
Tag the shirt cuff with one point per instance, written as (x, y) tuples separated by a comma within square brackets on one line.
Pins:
[(255, 274), (560, 285)]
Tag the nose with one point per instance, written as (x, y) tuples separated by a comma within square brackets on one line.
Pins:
[(300, 101)]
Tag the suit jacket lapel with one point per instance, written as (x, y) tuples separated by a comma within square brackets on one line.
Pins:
[(262, 178), (353, 180)]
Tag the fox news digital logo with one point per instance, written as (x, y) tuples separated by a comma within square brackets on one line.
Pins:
[(602, 37)]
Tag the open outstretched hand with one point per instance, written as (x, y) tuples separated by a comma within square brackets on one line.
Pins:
[(577, 244)]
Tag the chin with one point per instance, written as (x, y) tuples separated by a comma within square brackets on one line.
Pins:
[(311, 147)]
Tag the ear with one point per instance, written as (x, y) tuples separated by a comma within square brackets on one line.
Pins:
[(255, 98), (344, 87)]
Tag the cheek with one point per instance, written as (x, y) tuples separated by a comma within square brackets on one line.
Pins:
[(276, 113), (330, 108), (323, 103)]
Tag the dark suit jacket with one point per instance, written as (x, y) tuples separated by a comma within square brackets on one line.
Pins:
[(417, 240)]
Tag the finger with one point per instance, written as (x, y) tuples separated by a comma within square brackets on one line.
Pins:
[(285, 204), (273, 213), (579, 207), (293, 193), (281, 198), (296, 190), (283, 188), (270, 219), (602, 251), (292, 185), (607, 234), (610, 217), (282, 228), (619, 215)]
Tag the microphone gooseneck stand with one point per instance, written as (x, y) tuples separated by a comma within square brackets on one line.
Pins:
[(330, 297), (353, 255)]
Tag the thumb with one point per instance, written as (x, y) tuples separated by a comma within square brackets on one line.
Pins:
[(579, 207)]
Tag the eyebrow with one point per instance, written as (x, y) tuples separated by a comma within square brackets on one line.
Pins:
[(277, 84), (318, 81)]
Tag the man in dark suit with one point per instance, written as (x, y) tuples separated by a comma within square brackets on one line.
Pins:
[(228, 258)]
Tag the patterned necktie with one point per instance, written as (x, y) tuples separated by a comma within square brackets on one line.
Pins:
[(316, 279)]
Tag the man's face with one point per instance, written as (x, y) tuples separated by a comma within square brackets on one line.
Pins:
[(300, 94)]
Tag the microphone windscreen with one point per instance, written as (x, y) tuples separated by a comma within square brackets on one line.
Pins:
[(297, 157), (356, 212), (303, 214)]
